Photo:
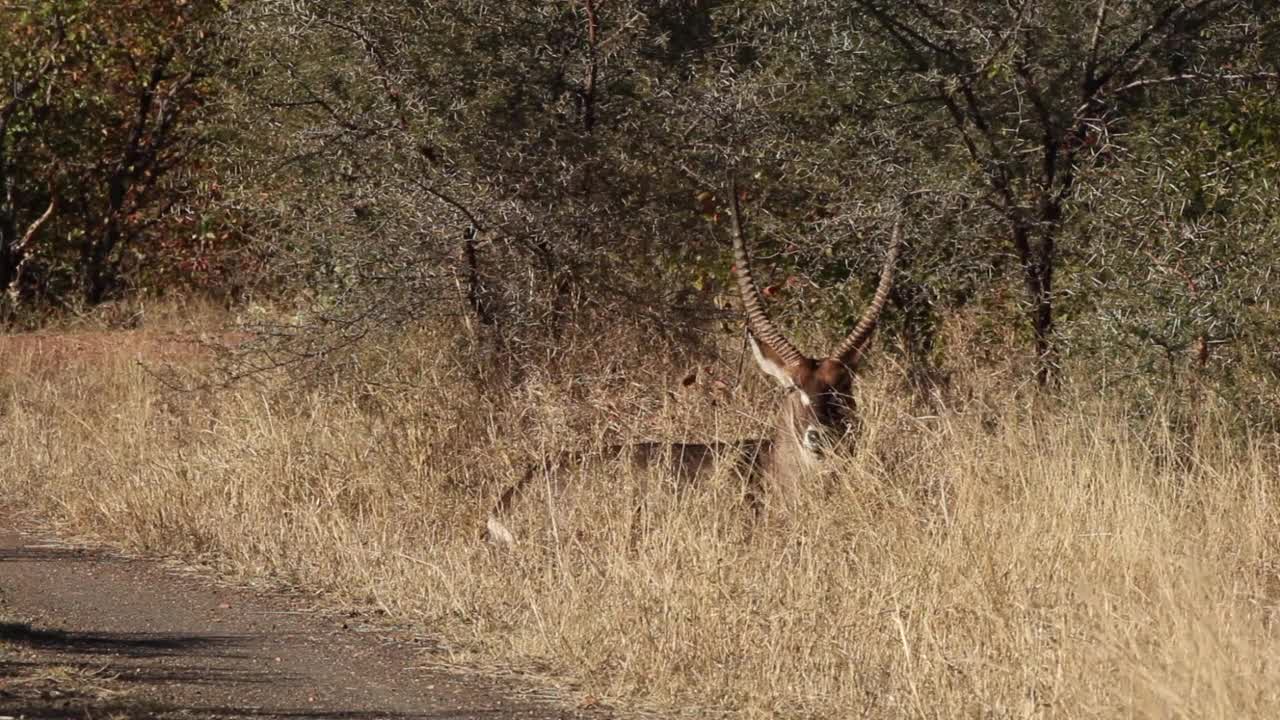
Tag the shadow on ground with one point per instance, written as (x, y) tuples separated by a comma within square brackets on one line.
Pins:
[(49, 709), (47, 673), (55, 552), (116, 644)]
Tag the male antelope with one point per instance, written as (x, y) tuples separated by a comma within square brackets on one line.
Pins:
[(814, 414)]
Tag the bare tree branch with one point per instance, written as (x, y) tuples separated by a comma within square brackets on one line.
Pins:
[(1091, 61), (21, 246)]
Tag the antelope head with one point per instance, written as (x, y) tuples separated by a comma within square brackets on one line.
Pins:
[(819, 406)]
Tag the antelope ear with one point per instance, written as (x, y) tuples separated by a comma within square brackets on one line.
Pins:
[(770, 363)]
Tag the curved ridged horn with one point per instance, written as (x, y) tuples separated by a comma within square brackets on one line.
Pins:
[(849, 350), (757, 320)]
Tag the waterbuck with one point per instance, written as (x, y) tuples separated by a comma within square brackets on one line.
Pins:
[(814, 414)]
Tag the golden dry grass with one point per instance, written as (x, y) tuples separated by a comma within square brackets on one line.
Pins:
[(1056, 561)]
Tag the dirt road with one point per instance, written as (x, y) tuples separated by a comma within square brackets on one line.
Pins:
[(88, 634)]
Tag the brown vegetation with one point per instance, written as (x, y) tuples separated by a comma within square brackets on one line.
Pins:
[(504, 243), (982, 559)]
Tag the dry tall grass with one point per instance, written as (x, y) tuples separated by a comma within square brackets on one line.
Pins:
[(1060, 562)]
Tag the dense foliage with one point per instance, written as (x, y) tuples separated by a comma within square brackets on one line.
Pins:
[(1090, 182), (99, 145)]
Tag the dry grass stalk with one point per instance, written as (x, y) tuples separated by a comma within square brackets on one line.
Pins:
[(992, 561)]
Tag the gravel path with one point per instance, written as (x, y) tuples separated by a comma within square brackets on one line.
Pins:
[(89, 634)]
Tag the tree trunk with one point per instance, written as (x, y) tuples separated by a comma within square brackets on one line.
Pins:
[(1037, 260), (8, 260), (97, 270), (8, 219)]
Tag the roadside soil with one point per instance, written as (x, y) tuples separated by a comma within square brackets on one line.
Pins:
[(86, 633)]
